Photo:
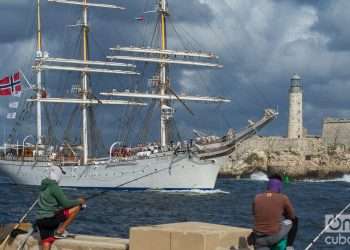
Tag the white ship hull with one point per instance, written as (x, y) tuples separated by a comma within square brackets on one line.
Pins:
[(162, 172)]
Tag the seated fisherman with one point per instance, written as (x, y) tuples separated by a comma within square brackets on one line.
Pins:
[(274, 217), (55, 212)]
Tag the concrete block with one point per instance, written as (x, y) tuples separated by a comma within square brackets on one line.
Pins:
[(188, 241), (80, 242), (143, 238), (187, 236)]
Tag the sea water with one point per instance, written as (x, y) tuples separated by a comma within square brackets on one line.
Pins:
[(230, 203)]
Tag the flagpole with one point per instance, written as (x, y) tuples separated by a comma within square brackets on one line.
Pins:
[(26, 79), (4, 139), (39, 55), (4, 134), (4, 129)]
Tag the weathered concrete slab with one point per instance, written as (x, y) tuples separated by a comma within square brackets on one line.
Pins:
[(188, 236), (80, 242)]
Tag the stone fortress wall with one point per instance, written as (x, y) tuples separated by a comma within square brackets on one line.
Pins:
[(299, 158), (264, 153), (307, 146), (336, 131), (299, 155)]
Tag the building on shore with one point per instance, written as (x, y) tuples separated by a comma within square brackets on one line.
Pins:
[(336, 131)]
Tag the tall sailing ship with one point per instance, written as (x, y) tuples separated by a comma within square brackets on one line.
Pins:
[(193, 164)]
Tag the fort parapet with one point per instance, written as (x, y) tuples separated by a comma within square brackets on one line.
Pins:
[(336, 131)]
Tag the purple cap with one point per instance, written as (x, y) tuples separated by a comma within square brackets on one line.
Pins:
[(274, 185)]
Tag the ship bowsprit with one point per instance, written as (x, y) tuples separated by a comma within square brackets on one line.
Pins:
[(212, 147)]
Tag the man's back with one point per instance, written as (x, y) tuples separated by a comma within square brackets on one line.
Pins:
[(52, 199), (269, 209)]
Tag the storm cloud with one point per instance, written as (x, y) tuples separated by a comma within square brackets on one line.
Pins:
[(261, 44)]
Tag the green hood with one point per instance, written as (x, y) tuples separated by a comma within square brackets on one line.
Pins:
[(52, 199), (46, 183)]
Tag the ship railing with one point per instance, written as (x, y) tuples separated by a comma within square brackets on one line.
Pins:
[(40, 158), (69, 163), (13, 157), (134, 157), (144, 152)]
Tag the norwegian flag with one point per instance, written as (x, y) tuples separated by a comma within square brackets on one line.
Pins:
[(10, 85)]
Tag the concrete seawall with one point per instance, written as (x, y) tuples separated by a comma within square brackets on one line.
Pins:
[(79, 242), (177, 236)]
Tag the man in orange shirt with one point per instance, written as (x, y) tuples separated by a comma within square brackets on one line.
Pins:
[(274, 217)]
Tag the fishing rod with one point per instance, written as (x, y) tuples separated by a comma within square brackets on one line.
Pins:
[(2, 246), (327, 226), (128, 182), (88, 198)]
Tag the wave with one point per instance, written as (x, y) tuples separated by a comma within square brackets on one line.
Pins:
[(194, 191), (344, 178), (259, 176), (69, 188)]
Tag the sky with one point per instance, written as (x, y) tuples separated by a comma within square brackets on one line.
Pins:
[(261, 44)]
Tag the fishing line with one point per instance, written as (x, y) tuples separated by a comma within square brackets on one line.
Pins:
[(327, 226), (19, 223), (97, 194)]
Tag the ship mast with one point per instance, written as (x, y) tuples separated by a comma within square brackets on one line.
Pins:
[(165, 57), (164, 84), (84, 66), (39, 54), (84, 85)]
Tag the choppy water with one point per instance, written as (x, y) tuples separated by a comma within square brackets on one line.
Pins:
[(230, 204)]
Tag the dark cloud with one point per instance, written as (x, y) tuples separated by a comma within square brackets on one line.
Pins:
[(333, 23), (260, 43), (13, 19)]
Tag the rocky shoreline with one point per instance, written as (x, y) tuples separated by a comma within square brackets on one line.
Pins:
[(297, 161), (314, 174)]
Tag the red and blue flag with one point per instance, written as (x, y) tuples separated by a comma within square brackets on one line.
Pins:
[(10, 85)]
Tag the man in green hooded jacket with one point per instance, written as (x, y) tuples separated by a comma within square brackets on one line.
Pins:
[(55, 211)]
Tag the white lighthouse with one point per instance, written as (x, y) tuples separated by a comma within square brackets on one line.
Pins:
[(295, 123)]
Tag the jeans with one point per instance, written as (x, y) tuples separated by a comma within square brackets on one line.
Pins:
[(266, 242)]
